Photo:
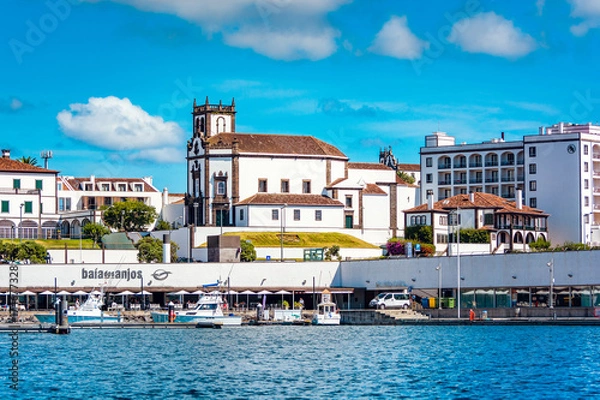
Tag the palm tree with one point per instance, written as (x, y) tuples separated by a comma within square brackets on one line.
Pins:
[(28, 160)]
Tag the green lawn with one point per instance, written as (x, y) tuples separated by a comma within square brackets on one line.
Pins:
[(71, 243), (302, 239)]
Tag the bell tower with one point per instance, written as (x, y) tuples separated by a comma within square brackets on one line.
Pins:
[(211, 119)]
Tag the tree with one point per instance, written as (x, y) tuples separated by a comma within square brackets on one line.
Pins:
[(28, 160), (28, 250), (248, 253), (333, 251), (95, 230), (151, 250), (420, 233), (162, 225), (405, 177), (129, 216)]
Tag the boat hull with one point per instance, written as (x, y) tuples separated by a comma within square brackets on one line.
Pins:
[(80, 319), (225, 320), (320, 320)]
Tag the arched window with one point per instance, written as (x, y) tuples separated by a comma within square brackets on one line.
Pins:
[(412, 221)]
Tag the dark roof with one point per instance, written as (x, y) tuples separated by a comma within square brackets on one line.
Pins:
[(275, 144), (290, 199), (481, 201), (365, 165), (10, 165)]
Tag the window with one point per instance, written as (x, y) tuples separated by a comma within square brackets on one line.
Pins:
[(585, 150), (306, 186), (296, 215), (16, 184), (285, 186), (586, 184), (68, 204), (429, 178), (262, 185), (28, 209), (533, 202), (5, 206), (533, 186), (89, 187), (59, 186), (532, 151), (586, 167), (348, 201), (275, 215), (108, 201), (61, 204), (586, 201), (488, 219), (221, 188), (105, 187), (532, 168), (39, 184), (429, 162), (441, 238), (318, 215), (242, 214), (138, 187), (122, 187)]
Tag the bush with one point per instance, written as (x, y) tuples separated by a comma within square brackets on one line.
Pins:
[(540, 245), (248, 253), (22, 251), (333, 251), (420, 233), (397, 247), (471, 235)]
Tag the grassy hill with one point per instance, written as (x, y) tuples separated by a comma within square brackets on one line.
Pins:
[(71, 243), (302, 239)]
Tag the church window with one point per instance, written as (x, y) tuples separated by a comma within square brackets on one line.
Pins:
[(306, 186), (262, 185), (285, 186), (348, 201), (221, 188)]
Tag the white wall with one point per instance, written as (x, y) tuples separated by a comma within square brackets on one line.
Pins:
[(261, 216), (88, 256)]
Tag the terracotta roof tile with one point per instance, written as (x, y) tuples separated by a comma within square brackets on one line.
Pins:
[(408, 167), (481, 200), (10, 165), (290, 199), (77, 183), (276, 144), (365, 165), (372, 188)]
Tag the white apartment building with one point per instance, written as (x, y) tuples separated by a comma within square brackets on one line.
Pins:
[(80, 199), (28, 200), (272, 181), (558, 171)]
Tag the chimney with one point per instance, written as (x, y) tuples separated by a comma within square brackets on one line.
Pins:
[(166, 248), (519, 201), (472, 197), (561, 127), (5, 153), (165, 197), (430, 199), (502, 136), (541, 130)]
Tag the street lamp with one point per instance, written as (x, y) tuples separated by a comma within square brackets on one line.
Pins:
[(281, 236), (20, 230), (551, 267), (439, 270), (458, 278)]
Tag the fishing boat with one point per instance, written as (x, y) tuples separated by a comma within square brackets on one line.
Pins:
[(327, 312), (208, 310), (90, 312)]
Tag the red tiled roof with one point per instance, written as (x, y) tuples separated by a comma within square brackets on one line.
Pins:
[(10, 165), (365, 165), (481, 200), (276, 144), (372, 188), (290, 199), (337, 181), (408, 167)]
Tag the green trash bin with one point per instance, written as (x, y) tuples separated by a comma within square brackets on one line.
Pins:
[(451, 302), (432, 302)]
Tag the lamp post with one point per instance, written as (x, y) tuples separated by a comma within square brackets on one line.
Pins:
[(20, 230), (551, 267), (439, 270), (281, 236), (458, 278)]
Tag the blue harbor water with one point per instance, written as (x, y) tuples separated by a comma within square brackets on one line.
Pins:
[(308, 362)]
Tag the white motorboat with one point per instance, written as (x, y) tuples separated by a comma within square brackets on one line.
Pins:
[(327, 311), (90, 312), (208, 310)]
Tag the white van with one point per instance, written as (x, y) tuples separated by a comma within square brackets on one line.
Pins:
[(391, 300)]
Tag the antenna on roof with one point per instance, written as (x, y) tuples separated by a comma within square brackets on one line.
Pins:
[(46, 155)]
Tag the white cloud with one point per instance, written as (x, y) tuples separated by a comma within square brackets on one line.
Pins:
[(589, 10), (396, 40), (116, 124), (492, 34), (279, 29)]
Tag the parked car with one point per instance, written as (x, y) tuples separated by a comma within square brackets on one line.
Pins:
[(391, 300)]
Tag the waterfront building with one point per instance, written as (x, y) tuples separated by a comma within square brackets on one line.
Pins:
[(557, 170), (512, 225), (277, 181), (28, 200), (80, 199)]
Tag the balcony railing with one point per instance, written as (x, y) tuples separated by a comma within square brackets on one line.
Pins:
[(520, 162), (508, 162), (491, 163), (491, 180), (475, 165), (508, 179), (444, 166), (446, 182), (460, 165), (460, 181), (520, 178), (476, 180)]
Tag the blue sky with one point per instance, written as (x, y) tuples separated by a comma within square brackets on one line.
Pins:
[(107, 85)]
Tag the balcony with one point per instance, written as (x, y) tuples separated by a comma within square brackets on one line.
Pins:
[(445, 182), (520, 178), (491, 163), (476, 180), (460, 181), (596, 156), (444, 166), (508, 179), (491, 180), (508, 162), (460, 165), (508, 195), (475, 164), (520, 162)]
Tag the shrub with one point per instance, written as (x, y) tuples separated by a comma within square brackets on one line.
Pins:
[(421, 233), (540, 245), (248, 253)]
